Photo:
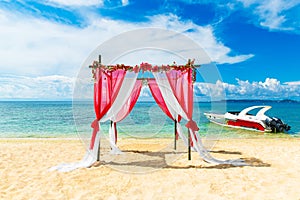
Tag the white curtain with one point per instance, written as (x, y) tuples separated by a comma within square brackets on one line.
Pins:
[(88, 160), (171, 102), (173, 105), (91, 155), (121, 99)]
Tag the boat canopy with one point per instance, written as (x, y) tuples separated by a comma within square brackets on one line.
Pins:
[(261, 112)]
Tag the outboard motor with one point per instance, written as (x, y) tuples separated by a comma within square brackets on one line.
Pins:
[(277, 126)]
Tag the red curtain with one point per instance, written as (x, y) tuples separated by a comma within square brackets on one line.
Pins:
[(182, 86), (181, 82), (155, 91), (106, 88), (128, 106)]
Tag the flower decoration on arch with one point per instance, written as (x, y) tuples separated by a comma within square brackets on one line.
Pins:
[(143, 67)]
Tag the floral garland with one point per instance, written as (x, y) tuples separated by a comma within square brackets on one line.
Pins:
[(143, 67)]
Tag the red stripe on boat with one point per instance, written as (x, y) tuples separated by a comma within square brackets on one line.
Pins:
[(247, 124)]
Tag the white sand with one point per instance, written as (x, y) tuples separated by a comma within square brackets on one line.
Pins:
[(274, 174)]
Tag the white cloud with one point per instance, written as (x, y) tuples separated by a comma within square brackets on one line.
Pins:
[(45, 87), (292, 83), (203, 35), (145, 92), (269, 89), (32, 46), (213, 91), (271, 13), (61, 87), (125, 2), (77, 2)]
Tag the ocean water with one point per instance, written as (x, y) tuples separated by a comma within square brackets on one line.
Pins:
[(72, 119)]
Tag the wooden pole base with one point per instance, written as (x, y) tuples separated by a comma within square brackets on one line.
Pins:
[(175, 134), (189, 147)]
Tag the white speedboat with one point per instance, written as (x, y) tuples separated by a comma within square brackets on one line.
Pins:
[(245, 120)]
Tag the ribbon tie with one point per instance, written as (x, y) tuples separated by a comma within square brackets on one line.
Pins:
[(192, 125), (95, 126)]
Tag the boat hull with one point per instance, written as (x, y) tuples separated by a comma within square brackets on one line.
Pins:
[(246, 124), (221, 120), (243, 120), (237, 125)]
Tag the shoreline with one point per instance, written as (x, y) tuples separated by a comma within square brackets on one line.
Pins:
[(234, 134), (258, 137), (150, 170)]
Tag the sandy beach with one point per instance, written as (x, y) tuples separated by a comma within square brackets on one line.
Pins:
[(150, 169)]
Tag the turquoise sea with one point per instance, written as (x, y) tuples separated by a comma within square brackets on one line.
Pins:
[(72, 119)]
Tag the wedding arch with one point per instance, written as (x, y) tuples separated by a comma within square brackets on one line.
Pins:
[(116, 90)]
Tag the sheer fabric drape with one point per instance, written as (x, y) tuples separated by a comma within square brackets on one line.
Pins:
[(106, 88), (123, 113), (177, 90), (111, 93), (115, 94), (156, 93)]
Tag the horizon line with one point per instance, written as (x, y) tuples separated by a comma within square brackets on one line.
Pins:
[(141, 100)]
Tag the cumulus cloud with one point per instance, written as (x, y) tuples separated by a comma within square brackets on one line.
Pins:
[(269, 89), (62, 87), (209, 91), (292, 83), (42, 87)]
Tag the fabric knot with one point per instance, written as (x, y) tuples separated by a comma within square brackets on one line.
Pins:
[(192, 125), (95, 126)]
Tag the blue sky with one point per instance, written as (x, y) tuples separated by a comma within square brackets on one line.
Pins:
[(255, 44)]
